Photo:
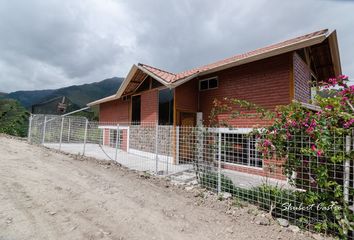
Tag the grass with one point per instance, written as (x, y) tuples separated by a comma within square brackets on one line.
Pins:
[(266, 197)]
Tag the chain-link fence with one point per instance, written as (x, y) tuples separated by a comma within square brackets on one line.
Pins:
[(311, 190)]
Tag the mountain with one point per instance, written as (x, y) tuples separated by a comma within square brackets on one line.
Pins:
[(78, 94), (28, 98)]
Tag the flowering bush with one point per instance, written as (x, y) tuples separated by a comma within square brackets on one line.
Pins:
[(312, 140)]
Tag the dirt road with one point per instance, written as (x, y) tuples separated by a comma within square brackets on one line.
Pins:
[(48, 195)]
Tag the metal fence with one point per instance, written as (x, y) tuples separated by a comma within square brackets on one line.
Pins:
[(227, 161)]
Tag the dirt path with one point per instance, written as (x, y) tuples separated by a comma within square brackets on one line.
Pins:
[(48, 195)]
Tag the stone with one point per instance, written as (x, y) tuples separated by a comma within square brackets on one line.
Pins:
[(229, 230), (283, 222), (225, 195), (253, 211), (189, 188), (294, 229), (8, 220), (317, 237), (261, 220)]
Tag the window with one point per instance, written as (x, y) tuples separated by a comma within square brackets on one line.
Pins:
[(126, 98), (240, 149), (113, 138), (136, 109), (166, 107), (209, 83)]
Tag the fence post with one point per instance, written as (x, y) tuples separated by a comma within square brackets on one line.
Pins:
[(249, 151), (117, 141), (347, 170), (44, 126), (29, 128), (128, 138), (61, 132), (69, 129), (177, 145), (85, 137), (156, 148), (200, 145), (219, 162)]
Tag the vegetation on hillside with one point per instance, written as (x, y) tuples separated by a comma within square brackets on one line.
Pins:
[(79, 94), (2, 94), (13, 118)]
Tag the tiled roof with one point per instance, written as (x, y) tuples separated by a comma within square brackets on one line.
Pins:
[(164, 75), (174, 77)]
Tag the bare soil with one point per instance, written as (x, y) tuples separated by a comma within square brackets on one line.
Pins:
[(49, 195)]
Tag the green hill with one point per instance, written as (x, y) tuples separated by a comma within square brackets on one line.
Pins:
[(79, 94), (27, 98), (13, 118)]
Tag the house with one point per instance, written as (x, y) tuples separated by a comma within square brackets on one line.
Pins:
[(269, 76), (58, 105)]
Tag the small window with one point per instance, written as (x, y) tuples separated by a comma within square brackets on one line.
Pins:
[(113, 138), (209, 83), (125, 98), (240, 149)]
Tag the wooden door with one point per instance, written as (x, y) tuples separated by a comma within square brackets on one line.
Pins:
[(187, 143)]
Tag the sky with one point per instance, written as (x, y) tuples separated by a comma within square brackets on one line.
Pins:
[(47, 44)]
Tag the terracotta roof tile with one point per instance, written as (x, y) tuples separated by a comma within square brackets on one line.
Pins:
[(167, 76), (172, 77)]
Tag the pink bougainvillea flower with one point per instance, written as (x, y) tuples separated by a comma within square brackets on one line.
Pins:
[(319, 153), (348, 123), (309, 130), (329, 107), (343, 77), (313, 147)]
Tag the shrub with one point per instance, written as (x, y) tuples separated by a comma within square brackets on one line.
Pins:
[(313, 144)]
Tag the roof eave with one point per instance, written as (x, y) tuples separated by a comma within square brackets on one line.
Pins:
[(184, 80), (102, 100), (275, 52), (334, 49), (127, 80)]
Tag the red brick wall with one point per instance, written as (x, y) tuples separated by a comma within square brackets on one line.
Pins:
[(265, 83), (149, 106), (115, 111), (302, 77), (186, 96), (106, 137)]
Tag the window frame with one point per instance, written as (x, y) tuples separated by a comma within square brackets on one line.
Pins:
[(208, 81), (126, 98)]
